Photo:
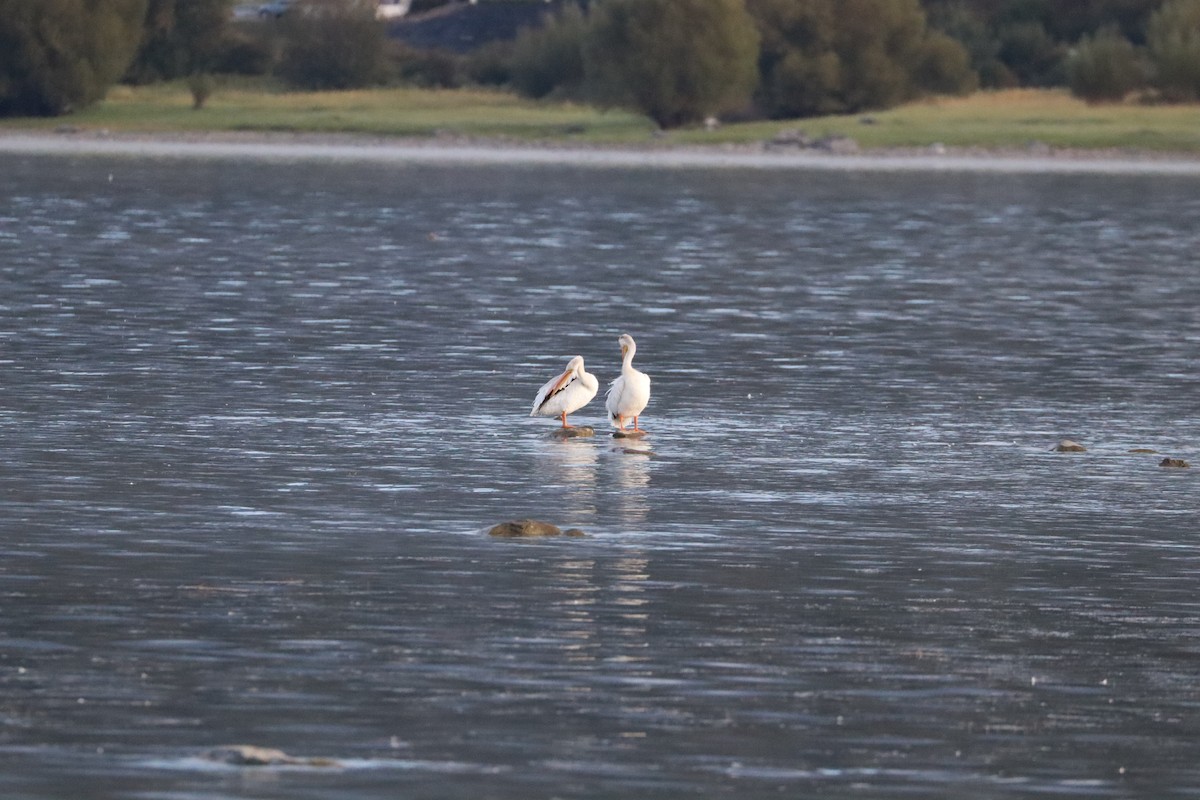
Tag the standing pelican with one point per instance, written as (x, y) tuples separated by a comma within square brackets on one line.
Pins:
[(567, 393), (630, 392)]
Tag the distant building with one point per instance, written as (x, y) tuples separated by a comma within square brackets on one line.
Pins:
[(386, 9), (462, 25), (392, 9)]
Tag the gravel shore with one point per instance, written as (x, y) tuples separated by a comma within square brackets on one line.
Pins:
[(286, 147)]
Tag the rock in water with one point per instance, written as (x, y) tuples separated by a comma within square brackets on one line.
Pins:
[(620, 434), (1143, 450), (1178, 463), (526, 527), (577, 432), (1067, 446), (248, 755)]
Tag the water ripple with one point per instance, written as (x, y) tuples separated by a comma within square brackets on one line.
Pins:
[(258, 420)]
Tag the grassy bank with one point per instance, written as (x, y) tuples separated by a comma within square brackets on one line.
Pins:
[(1009, 119), (257, 106), (1015, 118)]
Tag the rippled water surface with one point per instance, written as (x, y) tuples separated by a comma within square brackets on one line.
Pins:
[(256, 420)]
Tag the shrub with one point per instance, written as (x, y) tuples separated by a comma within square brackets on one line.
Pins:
[(201, 85), (944, 67), (968, 27), (831, 56), (431, 69), (59, 55), (1031, 54), (548, 59), (1173, 44), (677, 61), (490, 65), (244, 54), (801, 84), (1103, 67), (180, 37), (333, 44), (878, 42)]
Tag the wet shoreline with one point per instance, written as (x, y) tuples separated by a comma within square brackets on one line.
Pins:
[(477, 152)]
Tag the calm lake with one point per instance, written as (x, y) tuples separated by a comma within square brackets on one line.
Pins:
[(257, 418)]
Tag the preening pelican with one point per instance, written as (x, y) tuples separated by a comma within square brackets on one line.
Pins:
[(630, 392), (566, 393)]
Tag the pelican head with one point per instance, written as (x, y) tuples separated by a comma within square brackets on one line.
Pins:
[(575, 364), (628, 347)]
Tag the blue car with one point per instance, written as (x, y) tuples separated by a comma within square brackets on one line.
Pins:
[(275, 8)]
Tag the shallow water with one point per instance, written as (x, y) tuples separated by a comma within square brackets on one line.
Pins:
[(256, 419)]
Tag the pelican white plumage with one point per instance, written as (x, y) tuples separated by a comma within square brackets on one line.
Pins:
[(630, 392), (567, 393)]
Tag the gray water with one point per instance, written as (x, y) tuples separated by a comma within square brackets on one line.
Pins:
[(256, 420)]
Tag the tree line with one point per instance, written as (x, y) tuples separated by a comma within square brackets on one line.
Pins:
[(677, 61)]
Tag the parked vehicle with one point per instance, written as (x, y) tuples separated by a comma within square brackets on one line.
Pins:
[(392, 9), (274, 8), (245, 11), (387, 9)]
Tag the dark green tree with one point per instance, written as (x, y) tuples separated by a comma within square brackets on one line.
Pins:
[(333, 44), (1103, 67), (1071, 21), (971, 28), (677, 61), (1026, 42), (800, 70), (181, 37), (1029, 51), (879, 43), (943, 66), (839, 56), (549, 59), (1173, 42), (60, 55)]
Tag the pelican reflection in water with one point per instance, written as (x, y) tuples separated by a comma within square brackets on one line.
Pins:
[(570, 464), (631, 465)]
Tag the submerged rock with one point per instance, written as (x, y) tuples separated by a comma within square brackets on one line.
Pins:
[(1143, 450), (530, 528), (1068, 446), (1178, 463), (620, 434), (248, 755), (576, 432)]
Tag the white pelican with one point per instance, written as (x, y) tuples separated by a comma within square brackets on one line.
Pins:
[(567, 393), (630, 392)]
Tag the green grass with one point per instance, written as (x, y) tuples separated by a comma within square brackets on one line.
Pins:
[(259, 106), (1008, 119)]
